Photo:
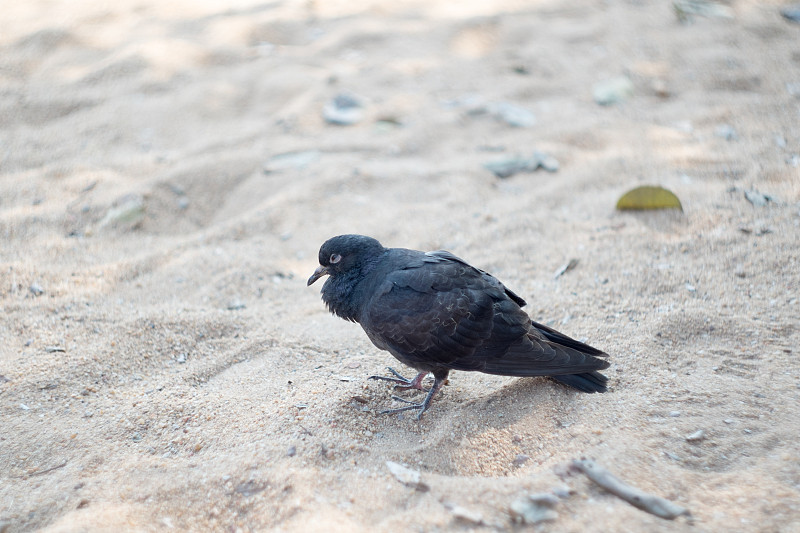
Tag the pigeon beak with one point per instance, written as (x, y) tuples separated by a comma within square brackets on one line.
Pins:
[(318, 273)]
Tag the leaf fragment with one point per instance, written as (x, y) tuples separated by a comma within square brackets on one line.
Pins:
[(648, 197)]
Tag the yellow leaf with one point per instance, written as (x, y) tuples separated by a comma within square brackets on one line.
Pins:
[(649, 197)]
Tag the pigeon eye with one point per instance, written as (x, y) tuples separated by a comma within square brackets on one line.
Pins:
[(335, 258)]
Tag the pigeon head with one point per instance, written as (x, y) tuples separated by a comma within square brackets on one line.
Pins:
[(346, 255), (346, 259)]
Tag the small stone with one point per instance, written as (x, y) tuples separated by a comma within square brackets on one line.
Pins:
[(520, 460), (83, 503), (53, 349), (697, 436), (235, 305), (511, 114), (406, 476), (533, 509), (686, 10), (183, 202), (791, 13), (563, 492), (544, 498), (613, 91), (507, 167), (181, 358), (546, 161), (344, 109), (674, 414), (129, 211), (36, 289), (729, 420), (292, 451), (290, 161), (465, 515), (758, 199)]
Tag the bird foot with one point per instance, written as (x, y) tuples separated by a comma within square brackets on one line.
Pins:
[(402, 382), (421, 407)]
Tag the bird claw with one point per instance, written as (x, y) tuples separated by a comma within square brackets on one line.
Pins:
[(403, 383), (422, 407), (409, 407)]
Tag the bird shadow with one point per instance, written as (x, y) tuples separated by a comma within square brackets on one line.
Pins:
[(461, 422)]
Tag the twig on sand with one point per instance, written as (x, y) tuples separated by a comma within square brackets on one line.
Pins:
[(40, 472), (646, 502)]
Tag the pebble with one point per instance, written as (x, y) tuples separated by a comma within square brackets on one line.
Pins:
[(674, 414), (520, 460), (36, 289), (464, 514), (507, 167), (513, 115), (344, 109), (697, 436), (292, 451), (406, 476), (613, 91), (534, 508), (129, 211), (791, 13), (758, 199), (290, 161), (563, 492), (686, 10), (235, 305)]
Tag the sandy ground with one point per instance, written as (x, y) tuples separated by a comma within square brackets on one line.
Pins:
[(171, 370)]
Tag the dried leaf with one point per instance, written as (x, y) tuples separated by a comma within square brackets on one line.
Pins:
[(649, 197)]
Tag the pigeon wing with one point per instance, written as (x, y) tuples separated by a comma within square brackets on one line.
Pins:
[(432, 313)]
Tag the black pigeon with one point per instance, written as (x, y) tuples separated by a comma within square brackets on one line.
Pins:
[(436, 313)]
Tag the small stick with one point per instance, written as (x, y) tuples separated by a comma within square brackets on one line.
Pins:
[(40, 472), (646, 502)]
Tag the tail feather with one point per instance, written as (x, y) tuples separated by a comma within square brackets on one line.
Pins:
[(563, 340), (586, 382)]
